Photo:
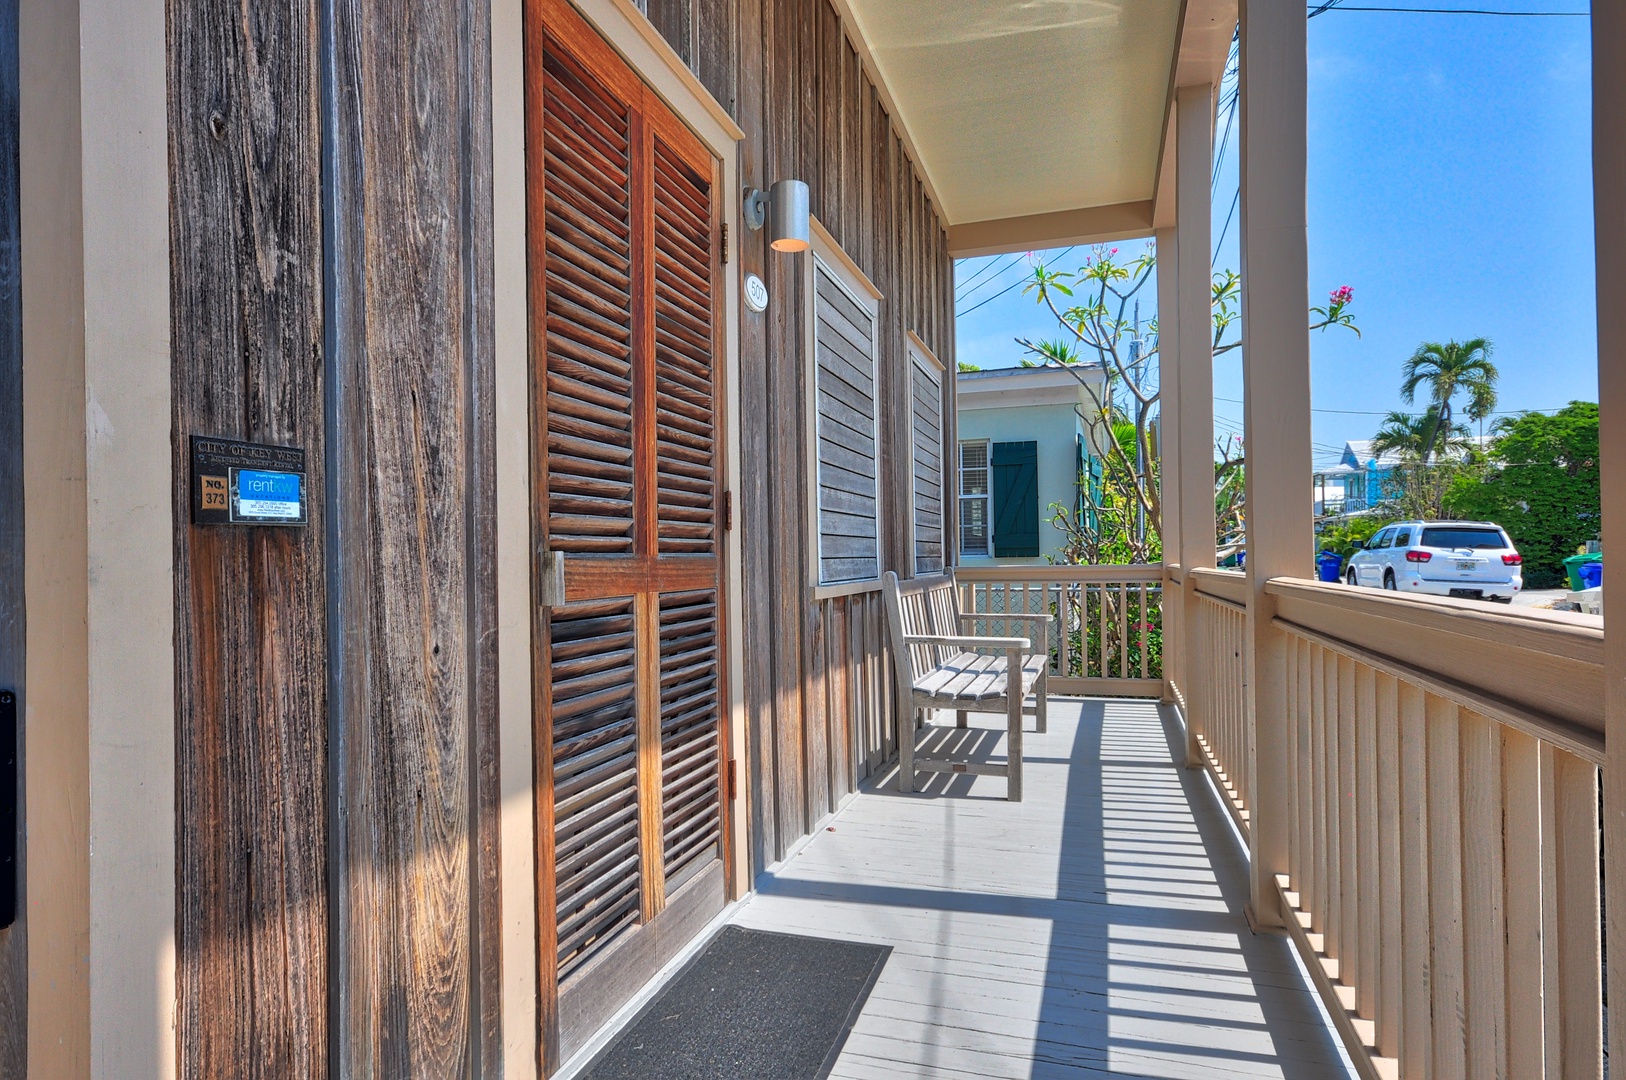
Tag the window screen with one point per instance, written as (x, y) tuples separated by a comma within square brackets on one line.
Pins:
[(974, 498)]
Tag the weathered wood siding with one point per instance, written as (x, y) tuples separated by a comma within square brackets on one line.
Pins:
[(413, 665), (14, 940), (335, 727), (250, 612), (815, 684)]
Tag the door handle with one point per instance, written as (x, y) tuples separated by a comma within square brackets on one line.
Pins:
[(551, 578)]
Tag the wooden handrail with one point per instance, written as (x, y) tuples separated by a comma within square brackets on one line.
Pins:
[(1223, 584), (1580, 741), (1547, 663), (1133, 573)]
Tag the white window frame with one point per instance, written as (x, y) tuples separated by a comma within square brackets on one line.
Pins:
[(987, 497), (862, 292)]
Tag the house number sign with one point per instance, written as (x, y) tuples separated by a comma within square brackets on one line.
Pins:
[(238, 483), (756, 293)]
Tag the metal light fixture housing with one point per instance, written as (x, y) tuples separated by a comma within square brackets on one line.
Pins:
[(784, 208)]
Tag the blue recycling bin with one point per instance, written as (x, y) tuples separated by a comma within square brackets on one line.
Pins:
[(1329, 566), (1591, 575)]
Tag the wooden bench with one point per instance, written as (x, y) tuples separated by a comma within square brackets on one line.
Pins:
[(939, 665)]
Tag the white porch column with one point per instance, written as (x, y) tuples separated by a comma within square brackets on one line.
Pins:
[(1176, 654), (1194, 163), (1276, 419), (1609, 210)]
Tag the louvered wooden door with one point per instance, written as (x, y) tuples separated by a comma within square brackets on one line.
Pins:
[(624, 269)]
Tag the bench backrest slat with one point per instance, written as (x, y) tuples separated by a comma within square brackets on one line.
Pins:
[(925, 605)]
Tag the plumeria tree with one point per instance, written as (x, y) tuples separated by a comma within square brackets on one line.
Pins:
[(1095, 308)]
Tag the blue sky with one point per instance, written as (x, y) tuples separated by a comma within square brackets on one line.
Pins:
[(1449, 184)]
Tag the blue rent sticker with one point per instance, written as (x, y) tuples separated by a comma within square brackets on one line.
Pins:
[(272, 495)]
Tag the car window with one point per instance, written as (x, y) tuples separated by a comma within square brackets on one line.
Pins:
[(1383, 538), (1462, 536), (1403, 538)]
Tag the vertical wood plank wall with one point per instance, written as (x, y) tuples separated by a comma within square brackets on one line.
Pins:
[(815, 685), (250, 604), (413, 664), (335, 728), (14, 940)]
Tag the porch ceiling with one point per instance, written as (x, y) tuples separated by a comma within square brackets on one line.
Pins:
[(1042, 122)]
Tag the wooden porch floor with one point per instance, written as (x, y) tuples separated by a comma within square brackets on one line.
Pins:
[(1095, 929)]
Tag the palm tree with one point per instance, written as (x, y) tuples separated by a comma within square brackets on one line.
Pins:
[(1410, 435), (1448, 370)]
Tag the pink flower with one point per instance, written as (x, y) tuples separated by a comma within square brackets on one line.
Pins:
[(1342, 295)]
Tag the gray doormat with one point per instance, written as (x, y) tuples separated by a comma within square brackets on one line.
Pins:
[(752, 1004)]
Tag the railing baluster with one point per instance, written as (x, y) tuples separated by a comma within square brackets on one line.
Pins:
[(1484, 932), (1303, 870), (1521, 847), (1570, 903), (1445, 887), (1416, 1043), (1391, 941), (1349, 930), (1367, 872), (1318, 785)]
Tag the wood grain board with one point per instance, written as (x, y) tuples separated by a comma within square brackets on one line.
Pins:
[(336, 736), (13, 630), (1094, 929), (252, 737)]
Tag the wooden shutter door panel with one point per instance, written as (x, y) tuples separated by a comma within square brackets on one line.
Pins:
[(595, 778), (1014, 478), (589, 304), (624, 264), (685, 345)]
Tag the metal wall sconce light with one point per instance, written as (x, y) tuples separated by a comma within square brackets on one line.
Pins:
[(784, 209)]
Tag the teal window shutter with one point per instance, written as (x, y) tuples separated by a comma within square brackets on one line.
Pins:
[(1015, 468)]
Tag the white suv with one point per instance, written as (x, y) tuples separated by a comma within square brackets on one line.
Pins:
[(1471, 559)]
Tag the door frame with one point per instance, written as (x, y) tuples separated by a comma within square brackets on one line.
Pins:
[(640, 45)]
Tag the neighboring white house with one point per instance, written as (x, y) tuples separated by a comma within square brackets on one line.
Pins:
[(1023, 447)]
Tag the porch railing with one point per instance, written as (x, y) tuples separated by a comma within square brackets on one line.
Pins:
[(1222, 623), (1108, 636), (1443, 833)]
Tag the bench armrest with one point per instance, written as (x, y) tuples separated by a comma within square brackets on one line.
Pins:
[(991, 616), (1041, 624), (970, 641)]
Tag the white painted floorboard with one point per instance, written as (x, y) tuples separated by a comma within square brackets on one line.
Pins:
[(1095, 929)]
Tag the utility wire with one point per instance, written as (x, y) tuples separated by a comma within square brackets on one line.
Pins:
[(1336, 5), (1003, 291), (967, 288)]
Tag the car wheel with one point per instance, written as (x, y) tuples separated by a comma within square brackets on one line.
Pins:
[(1350, 580), (1389, 580)]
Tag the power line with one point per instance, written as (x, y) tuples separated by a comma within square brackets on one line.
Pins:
[(1337, 6), (965, 294), (1226, 228), (961, 287), (1370, 412), (967, 289), (1003, 291)]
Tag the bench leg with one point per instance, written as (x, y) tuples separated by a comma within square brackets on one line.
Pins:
[(1043, 710), (959, 718), (1013, 728), (906, 750)]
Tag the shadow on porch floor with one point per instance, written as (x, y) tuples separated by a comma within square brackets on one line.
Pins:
[(1094, 929)]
